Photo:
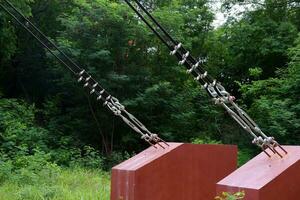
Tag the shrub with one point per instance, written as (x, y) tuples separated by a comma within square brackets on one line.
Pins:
[(205, 140), (5, 170), (88, 158), (115, 158), (229, 196), (33, 169)]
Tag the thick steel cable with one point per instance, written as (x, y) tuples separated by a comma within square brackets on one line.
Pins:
[(79, 69), (170, 47), (223, 97), (171, 43), (207, 81), (111, 102), (38, 39)]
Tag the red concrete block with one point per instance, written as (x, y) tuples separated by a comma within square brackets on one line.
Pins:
[(180, 172), (264, 178)]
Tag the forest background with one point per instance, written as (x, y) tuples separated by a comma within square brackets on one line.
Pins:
[(58, 143)]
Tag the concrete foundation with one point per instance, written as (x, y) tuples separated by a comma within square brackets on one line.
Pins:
[(264, 178), (179, 172)]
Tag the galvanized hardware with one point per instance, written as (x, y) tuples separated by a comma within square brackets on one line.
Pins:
[(99, 97), (81, 72), (86, 84), (213, 88), (177, 47), (80, 79), (201, 76), (83, 77), (184, 57), (92, 91), (95, 85), (88, 78)]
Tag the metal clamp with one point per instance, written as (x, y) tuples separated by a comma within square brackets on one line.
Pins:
[(80, 79), (184, 58), (195, 66), (81, 73), (100, 94), (114, 109), (201, 76), (211, 90), (177, 47), (86, 84), (88, 78), (92, 91), (95, 85)]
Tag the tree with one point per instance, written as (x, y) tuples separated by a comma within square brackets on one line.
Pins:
[(275, 101), (259, 38)]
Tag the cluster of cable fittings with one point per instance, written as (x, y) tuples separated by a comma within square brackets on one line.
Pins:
[(221, 97), (114, 105), (269, 143), (153, 139), (214, 89)]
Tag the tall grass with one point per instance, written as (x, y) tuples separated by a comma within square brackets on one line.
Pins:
[(67, 184)]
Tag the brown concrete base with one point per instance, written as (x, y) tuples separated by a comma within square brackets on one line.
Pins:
[(180, 172), (264, 178)]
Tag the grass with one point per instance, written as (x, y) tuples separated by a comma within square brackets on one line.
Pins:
[(68, 184), (33, 177)]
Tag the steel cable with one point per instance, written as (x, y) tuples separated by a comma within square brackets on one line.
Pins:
[(214, 88), (86, 79)]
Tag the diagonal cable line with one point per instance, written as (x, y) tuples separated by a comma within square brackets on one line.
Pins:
[(214, 89), (84, 78)]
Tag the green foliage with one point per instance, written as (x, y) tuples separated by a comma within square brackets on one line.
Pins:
[(19, 134), (244, 155), (8, 38), (277, 99), (5, 170), (261, 37), (255, 72), (114, 159), (67, 184), (106, 38), (47, 122), (33, 169), (229, 196), (90, 158), (205, 141)]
